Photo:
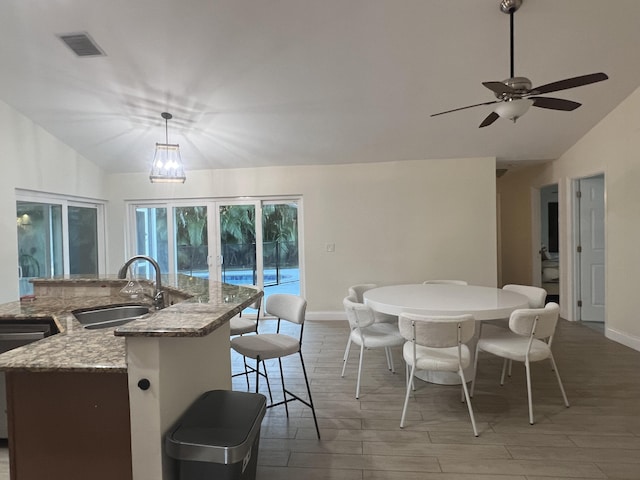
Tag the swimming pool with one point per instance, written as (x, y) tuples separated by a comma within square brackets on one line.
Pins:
[(245, 277)]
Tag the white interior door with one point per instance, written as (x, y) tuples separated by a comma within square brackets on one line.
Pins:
[(592, 248)]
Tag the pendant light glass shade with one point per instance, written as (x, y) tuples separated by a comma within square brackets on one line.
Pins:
[(167, 164)]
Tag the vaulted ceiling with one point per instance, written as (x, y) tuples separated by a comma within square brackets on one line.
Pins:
[(282, 82)]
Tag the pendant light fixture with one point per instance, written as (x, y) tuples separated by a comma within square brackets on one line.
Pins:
[(167, 165)]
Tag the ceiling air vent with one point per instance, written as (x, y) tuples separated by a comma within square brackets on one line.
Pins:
[(82, 44)]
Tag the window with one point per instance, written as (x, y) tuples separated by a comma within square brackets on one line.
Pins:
[(57, 236)]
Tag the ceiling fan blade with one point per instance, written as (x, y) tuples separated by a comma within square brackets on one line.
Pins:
[(555, 103), (492, 117), (464, 108), (569, 83), (498, 87)]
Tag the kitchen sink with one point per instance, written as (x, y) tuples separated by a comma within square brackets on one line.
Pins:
[(110, 316)]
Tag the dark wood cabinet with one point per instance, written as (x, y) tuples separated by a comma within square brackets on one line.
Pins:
[(68, 425)]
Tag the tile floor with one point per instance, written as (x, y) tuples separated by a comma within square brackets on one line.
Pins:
[(597, 438)]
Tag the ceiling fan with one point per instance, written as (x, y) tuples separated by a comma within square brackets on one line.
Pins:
[(515, 94)]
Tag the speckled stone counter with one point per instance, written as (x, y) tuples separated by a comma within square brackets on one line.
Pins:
[(198, 307)]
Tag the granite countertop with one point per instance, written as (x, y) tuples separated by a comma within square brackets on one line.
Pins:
[(199, 307)]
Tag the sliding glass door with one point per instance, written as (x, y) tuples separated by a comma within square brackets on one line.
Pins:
[(237, 260), (280, 247), (151, 238), (249, 242), (175, 235), (191, 240)]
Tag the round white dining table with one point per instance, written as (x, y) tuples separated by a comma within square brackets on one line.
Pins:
[(484, 303)]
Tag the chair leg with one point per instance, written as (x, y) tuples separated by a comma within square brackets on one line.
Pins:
[(510, 365), (409, 379), (466, 396), (390, 359), (475, 371), (386, 356), (406, 397), (359, 371), (527, 367), (555, 369), (306, 381), (258, 374), (266, 377), (284, 391), (504, 369), (345, 359), (246, 372)]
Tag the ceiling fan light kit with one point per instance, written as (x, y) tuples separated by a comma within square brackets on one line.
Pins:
[(513, 109), (515, 94)]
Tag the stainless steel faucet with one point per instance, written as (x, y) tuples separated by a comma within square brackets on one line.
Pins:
[(158, 294)]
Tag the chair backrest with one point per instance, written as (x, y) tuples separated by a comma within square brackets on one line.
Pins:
[(544, 320), (358, 290), (358, 314), (536, 295), (436, 331), (445, 282), (286, 306)]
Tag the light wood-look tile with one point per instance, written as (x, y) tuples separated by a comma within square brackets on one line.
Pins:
[(597, 438)]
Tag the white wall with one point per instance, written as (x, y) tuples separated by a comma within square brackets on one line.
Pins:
[(391, 222), (612, 147), (395, 222), (33, 159)]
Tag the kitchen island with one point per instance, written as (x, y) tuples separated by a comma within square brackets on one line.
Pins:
[(96, 403)]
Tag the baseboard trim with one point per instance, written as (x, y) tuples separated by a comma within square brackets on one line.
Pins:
[(623, 338)]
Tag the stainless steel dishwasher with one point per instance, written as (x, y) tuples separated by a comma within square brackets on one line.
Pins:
[(14, 335)]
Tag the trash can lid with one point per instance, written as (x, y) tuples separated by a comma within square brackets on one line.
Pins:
[(220, 427)]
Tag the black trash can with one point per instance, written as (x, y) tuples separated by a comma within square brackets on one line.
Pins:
[(217, 437)]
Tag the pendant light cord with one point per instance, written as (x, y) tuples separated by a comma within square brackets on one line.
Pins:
[(166, 131)]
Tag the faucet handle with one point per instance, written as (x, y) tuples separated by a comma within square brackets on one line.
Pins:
[(158, 300)]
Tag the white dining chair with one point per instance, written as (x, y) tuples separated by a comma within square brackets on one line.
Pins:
[(368, 334), (537, 297), (527, 340), (437, 343), (445, 282), (357, 291), (266, 346)]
